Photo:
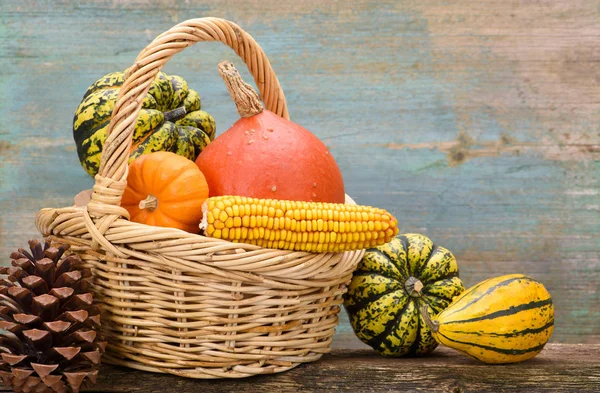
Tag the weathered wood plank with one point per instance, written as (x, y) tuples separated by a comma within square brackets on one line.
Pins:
[(559, 368), (477, 124)]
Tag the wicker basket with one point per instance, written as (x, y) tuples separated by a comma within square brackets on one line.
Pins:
[(185, 304)]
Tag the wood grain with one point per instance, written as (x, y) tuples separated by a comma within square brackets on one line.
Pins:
[(559, 368), (475, 123)]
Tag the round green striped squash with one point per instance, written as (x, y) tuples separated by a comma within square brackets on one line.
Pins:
[(506, 319), (391, 285), (170, 120)]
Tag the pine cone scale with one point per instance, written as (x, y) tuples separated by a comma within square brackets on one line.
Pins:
[(94, 356), (20, 373), (50, 380), (10, 326), (57, 327), (23, 295), (13, 359), (43, 369), (46, 269), (67, 352), (74, 316), (35, 284), (27, 319), (62, 293)]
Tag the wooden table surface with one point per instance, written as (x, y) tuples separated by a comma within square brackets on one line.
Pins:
[(475, 123), (353, 367), (559, 368)]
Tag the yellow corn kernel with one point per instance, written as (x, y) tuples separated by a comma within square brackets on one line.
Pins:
[(297, 225), (219, 225), (222, 216), (237, 222), (321, 237), (210, 230)]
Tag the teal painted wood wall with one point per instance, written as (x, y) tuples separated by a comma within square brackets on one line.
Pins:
[(475, 123)]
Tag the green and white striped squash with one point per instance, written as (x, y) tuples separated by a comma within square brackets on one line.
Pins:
[(389, 288), (506, 319), (170, 120)]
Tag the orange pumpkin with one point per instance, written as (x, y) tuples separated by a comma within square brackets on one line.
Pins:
[(165, 189), (266, 156)]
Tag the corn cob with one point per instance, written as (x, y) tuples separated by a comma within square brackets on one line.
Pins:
[(297, 225)]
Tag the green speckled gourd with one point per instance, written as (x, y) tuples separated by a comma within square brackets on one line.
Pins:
[(391, 285), (170, 120)]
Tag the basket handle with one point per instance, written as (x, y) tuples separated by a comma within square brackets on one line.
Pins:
[(111, 179)]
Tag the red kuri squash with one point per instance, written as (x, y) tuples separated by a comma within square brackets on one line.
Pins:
[(266, 156)]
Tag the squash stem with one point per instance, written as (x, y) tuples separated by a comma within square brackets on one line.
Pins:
[(245, 97), (150, 203), (413, 286), (175, 114), (433, 325)]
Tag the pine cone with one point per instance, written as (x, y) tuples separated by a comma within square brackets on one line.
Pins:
[(50, 339)]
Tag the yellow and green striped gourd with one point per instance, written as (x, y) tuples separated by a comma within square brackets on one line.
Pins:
[(506, 319), (170, 120), (390, 286)]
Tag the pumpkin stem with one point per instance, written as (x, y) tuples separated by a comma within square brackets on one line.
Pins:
[(413, 286), (433, 325), (150, 203), (175, 114), (245, 97)]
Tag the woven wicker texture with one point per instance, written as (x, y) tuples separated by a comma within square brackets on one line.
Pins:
[(186, 304)]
